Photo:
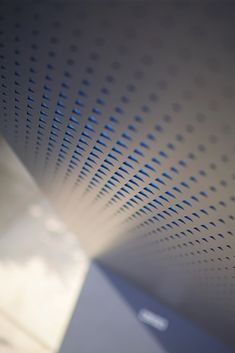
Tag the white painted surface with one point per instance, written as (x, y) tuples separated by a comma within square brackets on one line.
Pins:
[(41, 265)]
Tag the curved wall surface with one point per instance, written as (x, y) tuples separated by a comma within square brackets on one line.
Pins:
[(124, 114)]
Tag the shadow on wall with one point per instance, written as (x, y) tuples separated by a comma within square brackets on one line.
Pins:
[(109, 311)]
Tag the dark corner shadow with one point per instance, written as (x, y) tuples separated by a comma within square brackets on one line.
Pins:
[(181, 335), (107, 319)]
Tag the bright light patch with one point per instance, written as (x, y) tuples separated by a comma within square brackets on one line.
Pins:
[(152, 319)]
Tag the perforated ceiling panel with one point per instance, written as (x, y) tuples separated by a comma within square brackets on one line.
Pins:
[(124, 114)]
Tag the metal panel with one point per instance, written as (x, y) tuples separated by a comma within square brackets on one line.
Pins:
[(124, 114)]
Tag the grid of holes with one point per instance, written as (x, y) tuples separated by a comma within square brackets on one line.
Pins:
[(87, 132)]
